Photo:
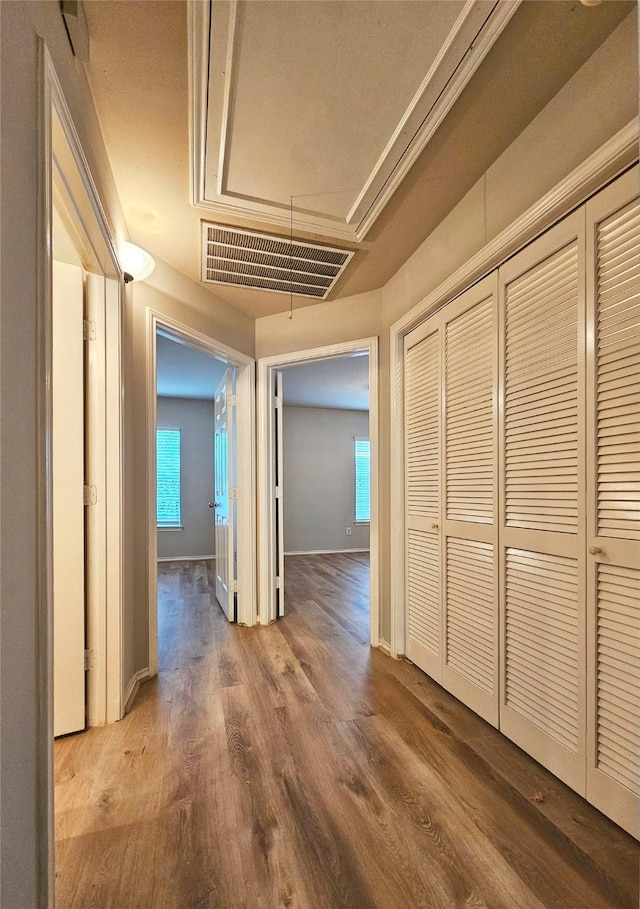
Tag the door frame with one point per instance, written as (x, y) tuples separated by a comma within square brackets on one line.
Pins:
[(267, 366), (61, 152), (245, 463)]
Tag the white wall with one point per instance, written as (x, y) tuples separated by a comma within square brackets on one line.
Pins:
[(319, 479), (194, 418)]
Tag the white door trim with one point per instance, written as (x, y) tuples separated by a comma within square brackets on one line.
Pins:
[(266, 544), (608, 162), (245, 463), (105, 695)]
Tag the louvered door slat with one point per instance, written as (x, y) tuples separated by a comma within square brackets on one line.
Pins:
[(469, 370), (552, 634), (422, 427), (617, 397), (618, 631), (541, 382)]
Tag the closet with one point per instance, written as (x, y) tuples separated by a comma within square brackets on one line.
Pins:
[(522, 499)]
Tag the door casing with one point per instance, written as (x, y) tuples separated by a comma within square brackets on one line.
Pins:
[(267, 366), (245, 464)]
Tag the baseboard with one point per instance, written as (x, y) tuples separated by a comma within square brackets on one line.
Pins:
[(323, 551), (204, 558), (133, 687), (384, 647)]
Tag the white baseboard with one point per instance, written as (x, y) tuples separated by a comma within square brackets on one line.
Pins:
[(384, 647), (323, 551), (133, 687), (204, 558)]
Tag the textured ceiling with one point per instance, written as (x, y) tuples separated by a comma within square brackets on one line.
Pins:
[(139, 75)]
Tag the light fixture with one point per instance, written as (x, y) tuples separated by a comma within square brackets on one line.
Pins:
[(136, 263)]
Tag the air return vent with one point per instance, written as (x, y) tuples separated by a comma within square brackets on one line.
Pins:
[(247, 259)]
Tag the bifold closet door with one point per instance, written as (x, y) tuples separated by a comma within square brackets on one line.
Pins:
[(613, 522), (423, 437), (542, 501), (469, 562)]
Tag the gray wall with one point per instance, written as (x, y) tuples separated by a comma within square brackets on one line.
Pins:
[(195, 420), (319, 479)]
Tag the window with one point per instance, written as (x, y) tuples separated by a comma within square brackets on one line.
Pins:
[(362, 453), (168, 477)]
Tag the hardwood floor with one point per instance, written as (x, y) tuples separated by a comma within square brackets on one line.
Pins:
[(292, 766)]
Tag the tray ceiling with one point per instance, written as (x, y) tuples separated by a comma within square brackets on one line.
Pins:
[(314, 112)]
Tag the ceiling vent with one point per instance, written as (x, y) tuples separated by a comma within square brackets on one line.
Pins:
[(247, 259)]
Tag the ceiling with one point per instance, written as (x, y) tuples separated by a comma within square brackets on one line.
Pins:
[(339, 383), (377, 117), (184, 372)]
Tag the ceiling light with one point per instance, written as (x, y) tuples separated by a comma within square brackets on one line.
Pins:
[(136, 262)]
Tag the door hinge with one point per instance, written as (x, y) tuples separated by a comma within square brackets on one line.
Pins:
[(89, 660), (279, 401), (233, 587), (90, 496), (232, 400), (277, 492), (88, 330), (278, 583), (233, 492)]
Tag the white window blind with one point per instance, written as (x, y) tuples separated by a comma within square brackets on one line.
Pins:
[(362, 454), (168, 477)]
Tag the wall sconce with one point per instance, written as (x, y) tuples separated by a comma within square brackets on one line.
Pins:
[(136, 262)]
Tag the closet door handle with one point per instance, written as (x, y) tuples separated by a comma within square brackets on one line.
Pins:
[(595, 550), (434, 526)]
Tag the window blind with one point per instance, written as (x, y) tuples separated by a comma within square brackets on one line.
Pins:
[(362, 453), (168, 477)]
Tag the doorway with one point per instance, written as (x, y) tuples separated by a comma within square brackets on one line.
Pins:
[(196, 465), (324, 505), (221, 519), (273, 510)]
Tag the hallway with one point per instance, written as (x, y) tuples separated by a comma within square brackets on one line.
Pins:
[(292, 766)]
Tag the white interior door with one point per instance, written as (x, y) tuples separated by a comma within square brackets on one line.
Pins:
[(68, 499), (542, 501), (225, 495), (423, 457), (613, 503), (278, 473)]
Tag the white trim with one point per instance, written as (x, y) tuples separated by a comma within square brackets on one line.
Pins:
[(471, 37), (133, 687), (266, 523), (430, 106), (611, 159), (296, 552), (105, 699), (157, 322), (201, 558), (44, 665), (384, 647)]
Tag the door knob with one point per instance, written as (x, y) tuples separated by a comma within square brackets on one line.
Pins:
[(213, 504), (434, 526), (595, 550)]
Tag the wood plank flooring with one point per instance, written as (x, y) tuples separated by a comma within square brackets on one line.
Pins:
[(292, 766)]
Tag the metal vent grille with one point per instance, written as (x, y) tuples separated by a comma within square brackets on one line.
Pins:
[(247, 259)]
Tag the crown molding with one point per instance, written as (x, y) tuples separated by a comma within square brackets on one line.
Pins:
[(470, 39)]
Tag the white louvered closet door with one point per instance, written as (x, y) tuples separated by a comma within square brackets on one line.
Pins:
[(423, 414), (613, 523), (469, 492), (542, 501)]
